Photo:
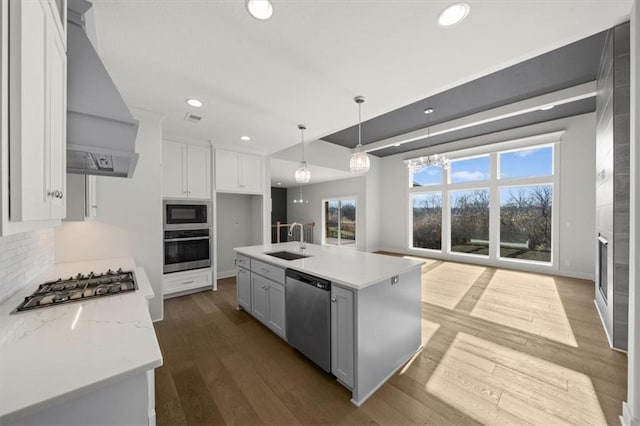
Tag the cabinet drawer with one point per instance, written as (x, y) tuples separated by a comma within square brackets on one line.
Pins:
[(183, 281), (242, 261), (272, 272)]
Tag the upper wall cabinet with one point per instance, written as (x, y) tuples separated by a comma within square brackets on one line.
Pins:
[(239, 173), (38, 110), (186, 170)]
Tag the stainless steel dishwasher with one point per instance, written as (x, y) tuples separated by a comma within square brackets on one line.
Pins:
[(308, 316)]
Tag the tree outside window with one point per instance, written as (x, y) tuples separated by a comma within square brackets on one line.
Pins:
[(340, 222)]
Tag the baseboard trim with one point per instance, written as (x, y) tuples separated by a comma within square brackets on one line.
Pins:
[(360, 401), (226, 274), (627, 419), (604, 327)]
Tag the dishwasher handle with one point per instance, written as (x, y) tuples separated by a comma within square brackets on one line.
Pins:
[(317, 282)]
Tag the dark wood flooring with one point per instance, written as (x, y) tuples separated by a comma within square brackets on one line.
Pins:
[(501, 347)]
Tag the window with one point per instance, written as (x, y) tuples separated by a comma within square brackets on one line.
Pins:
[(525, 222), (451, 209), (340, 222), (526, 163), (427, 220), (470, 222), (470, 170), (431, 175)]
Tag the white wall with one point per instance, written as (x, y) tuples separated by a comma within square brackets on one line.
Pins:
[(22, 257), (631, 410), (237, 226), (312, 211), (129, 215), (577, 194), (318, 153)]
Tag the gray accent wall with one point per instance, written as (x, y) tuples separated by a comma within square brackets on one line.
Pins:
[(612, 182), (278, 212)]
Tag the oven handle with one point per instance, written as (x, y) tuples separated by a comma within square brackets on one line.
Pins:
[(172, 240)]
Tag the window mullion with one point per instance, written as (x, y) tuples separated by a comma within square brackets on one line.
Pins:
[(494, 209)]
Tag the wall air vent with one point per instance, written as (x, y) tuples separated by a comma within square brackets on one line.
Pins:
[(192, 118)]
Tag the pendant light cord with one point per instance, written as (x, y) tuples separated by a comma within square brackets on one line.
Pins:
[(360, 124)]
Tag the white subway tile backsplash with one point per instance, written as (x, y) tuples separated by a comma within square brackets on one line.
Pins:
[(22, 257)]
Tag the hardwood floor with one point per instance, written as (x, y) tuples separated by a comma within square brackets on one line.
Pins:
[(500, 347)]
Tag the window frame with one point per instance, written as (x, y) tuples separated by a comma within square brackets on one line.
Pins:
[(494, 184), (442, 237), (323, 240)]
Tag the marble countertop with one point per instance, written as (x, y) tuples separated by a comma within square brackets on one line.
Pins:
[(53, 354), (345, 266)]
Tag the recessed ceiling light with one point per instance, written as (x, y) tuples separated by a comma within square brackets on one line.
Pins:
[(260, 9), (428, 110), (547, 107), (194, 102), (453, 14), (278, 183), (245, 138)]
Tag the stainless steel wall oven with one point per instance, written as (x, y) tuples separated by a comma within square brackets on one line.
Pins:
[(186, 249), (187, 235)]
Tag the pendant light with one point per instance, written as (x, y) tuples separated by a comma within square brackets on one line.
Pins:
[(359, 163), (300, 200), (303, 175), (418, 164)]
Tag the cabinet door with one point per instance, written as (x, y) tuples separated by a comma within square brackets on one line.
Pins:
[(199, 172), (91, 197), (259, 299), (277, 309), (342, 335), (57, 121), (243, 287), (227, 170), (29, 132), (251, 173), (174, 165)]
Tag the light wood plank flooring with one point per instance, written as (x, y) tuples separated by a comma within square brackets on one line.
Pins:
[(500, 347)]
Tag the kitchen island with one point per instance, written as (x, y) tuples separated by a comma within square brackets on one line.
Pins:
[(81, 363), (376, 309)]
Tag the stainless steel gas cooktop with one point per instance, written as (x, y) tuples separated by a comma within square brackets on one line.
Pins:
[(79, 288)]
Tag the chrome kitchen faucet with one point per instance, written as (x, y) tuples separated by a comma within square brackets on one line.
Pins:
[(303, 246)]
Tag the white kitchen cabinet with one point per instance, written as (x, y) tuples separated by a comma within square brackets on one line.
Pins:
[(186, 170), (243, 284), (178, 283), (37, 100), (276, 318), (81, 197), (268, 303), (199, 171), (239, 173), (342, 335), (259, 298)]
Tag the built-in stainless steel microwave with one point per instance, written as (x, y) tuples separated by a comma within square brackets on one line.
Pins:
[(186, 214)]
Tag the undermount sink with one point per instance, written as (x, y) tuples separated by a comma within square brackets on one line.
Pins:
[(287, 255)]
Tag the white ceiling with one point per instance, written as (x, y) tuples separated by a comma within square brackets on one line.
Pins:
[(262, 78), (283, 171)]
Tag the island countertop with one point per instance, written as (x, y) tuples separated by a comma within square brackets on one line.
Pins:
[(344, 266), (54, 354)]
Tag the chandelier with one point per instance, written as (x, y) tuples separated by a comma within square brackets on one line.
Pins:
[(417, 164), (359, 163), (300, 200), (303, 174)]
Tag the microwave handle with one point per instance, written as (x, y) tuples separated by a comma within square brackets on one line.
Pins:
[(171, 240)]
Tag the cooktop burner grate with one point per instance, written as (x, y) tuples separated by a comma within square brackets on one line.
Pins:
[(79, 288)]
